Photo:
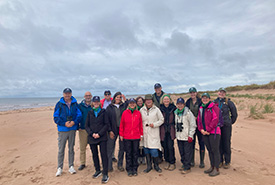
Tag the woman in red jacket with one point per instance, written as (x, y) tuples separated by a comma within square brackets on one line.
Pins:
[(131, 131)]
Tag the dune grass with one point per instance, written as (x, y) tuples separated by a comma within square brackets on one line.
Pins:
[(255, 112), (268, 108)]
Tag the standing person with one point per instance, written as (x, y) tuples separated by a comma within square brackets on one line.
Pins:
[(229, 114), (96, 127), (185, 124), (158, 94), (194, 103), (152, 119), (107, 100), (208, 119), (114, 112), (167, 131), (67, 117), (141, 155), (85, 107), (130, 132)]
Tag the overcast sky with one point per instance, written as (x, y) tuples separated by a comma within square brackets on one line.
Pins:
[(128, 46)]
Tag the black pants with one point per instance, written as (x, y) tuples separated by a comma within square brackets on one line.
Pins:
[(131, 147), (104, 157), (169, 150), (225, 145), (186, 151), (200, 140), (212, 143), (110, 150)]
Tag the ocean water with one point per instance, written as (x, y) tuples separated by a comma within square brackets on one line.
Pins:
[(23, 103)]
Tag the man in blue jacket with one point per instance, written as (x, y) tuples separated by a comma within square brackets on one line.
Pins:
[(67, 117), (85, 107)]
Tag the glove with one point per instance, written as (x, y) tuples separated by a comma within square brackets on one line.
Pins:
[(190, 140)]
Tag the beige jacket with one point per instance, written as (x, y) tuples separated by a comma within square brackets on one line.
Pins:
[(151, 136), (188, 123)]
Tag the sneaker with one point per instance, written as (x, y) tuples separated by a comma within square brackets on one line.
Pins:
[(185, 171), (226, 166), (120, 168), (209, 170), (130, 174), (114, 160), (59, 172), (214, 173), (167, 165), (81, 167), (97, 174), (72, 170), (105, 179), (172, 167)]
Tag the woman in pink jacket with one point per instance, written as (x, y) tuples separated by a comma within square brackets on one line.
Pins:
[(208, 118)]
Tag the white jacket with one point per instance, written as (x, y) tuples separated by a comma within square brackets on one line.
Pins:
[(151, 136), (188, 123)]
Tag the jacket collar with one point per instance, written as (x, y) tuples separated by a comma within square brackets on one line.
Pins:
[(63, 101)]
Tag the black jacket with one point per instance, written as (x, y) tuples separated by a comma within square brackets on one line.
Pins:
[(228, 109), (111, 116), (188, 104), (97, 125)]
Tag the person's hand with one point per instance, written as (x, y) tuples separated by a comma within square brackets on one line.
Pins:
[(141, 138), (123, 96), (112, 135), (202, 132), (207, 133), (96, 136), (190, 139), (151, 125), (121, 138), (68, 124), (72, 123)]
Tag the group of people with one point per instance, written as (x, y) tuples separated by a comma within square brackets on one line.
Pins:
[(146, 129)]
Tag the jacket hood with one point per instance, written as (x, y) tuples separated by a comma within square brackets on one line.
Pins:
[(63, 101)]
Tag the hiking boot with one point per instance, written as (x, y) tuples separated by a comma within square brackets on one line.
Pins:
[(167, 165), (185, 171), (202, 154), (172, 167), (149, 163), (135, 173), (72, 170), (181, 168), (120, 168), (97, 174), (105, 179), (81, 167), (143, 161), (226, 166), (59, 172), (221, 164), (156, 164), (215, 172), (209, 170), (139, 160)]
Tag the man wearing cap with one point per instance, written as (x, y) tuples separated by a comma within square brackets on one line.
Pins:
[(107, 100), (85, 107), (229, 114), (67, 117), (157, 95), (194, 103)]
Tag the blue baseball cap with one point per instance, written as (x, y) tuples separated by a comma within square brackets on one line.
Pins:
[(180, 100), (157, 85), (132, 100), (96, 99), (67, 90)]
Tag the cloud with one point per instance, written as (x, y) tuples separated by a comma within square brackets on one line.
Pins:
[(129, 46)]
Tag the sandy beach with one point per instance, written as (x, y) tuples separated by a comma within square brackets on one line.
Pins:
[(28, 152)]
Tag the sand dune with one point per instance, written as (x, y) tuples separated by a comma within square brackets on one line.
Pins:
[(28, 155)]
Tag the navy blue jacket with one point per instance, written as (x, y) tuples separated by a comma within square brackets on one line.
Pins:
[(84, 110), (61, 112), (228, 109)]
